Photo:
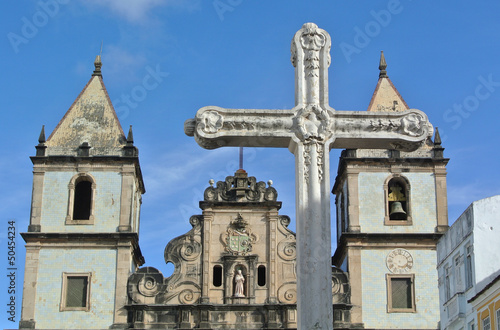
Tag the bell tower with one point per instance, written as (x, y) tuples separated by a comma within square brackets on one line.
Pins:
[(82, 242), (391, 211)]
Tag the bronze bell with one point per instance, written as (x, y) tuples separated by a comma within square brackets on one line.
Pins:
[(397, 211)]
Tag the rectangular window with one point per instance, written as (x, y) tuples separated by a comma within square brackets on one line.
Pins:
[(447, 284), (400, 293), (468, 268), (471, 325), (486, 323), (261, 275), (458, 283), (75, 292), (217, 276), (498, 319)]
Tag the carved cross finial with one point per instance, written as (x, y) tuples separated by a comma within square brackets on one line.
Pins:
[(382, 66), (311, 59)]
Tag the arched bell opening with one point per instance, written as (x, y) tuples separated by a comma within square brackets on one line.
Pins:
[(397, 201)]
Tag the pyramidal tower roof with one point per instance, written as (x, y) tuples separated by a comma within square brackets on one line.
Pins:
[(386, 97), (90, 121)]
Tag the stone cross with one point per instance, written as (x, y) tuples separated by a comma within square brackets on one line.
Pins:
[(309, 131)]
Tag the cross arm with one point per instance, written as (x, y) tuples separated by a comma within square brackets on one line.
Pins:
[(215, 127), (405, 130)]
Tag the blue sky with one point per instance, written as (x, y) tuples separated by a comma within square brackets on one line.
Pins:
[(443, 57)]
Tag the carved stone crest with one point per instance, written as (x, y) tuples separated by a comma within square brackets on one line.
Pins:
[(238, 238)]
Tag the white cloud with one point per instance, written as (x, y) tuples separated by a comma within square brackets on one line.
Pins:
[(139, 11), (181, 169), (117, 60), (466, 194), (460, 197)]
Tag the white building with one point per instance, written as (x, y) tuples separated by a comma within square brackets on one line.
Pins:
[(468, 261)]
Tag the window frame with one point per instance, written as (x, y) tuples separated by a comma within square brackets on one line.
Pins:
[(483, 323), (261, 272), (219, 275), (469, 279), (64, 289), (71, 199), (407, 190), (389, 278), (497, 315), (447, 282)]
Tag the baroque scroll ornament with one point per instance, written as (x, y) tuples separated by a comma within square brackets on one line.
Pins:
[(148, 286), (187, 297), (287, 293), (287, 249)]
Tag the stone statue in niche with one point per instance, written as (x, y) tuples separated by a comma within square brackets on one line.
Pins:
[(239, 280)]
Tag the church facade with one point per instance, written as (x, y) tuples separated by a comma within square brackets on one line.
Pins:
[(236, 268)]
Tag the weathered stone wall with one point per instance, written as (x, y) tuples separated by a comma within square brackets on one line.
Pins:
[(53, 262), (106, 206), (372, 203)]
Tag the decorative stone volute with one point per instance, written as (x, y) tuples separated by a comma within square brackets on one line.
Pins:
[(240, 188)]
